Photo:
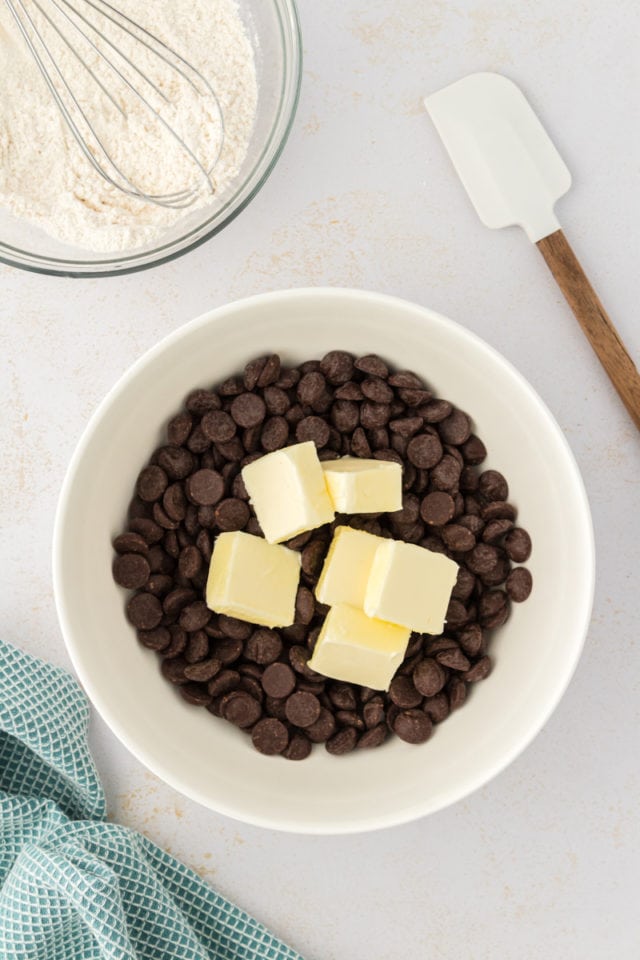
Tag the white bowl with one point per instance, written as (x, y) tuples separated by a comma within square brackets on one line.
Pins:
[(207, 759)]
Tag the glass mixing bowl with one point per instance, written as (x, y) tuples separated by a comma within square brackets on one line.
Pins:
[(274, 30)]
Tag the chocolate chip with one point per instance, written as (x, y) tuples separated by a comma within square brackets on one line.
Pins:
[(349, 391), (493, 485), (197, 647), (323, 728), (131, 570), (205, 487), (299, 747), (373, 388), (344, 741), (263, 646), (406, 380), (252, 372), (305, 606), (435, 411), (337, 366), (345, 415), (228, 650), (437, 708), (519, 584), (498, 510), (270, 736), (473, 450), (234, 628), (276, 401), (177, 644), (177, 599), (177, 462), (406, 426), (313, 557), (437, 508), (446, 474), (315, 429), (144, 611), (413, 726), (278, 680), (495, 530), (157, 639), (223, 682), (151, 484), (311, 387), (403, 692), (373, 738), (189, 562), (374, 415), (201, 401), (456, 428), (453, 659), (270, 372), (218, 426), (479, 671), (429, 677), (173, 670), (275, 434), (195, 616), (424, 450), (248, 410), (373, 365), (179, 428), (457, 690), (458, 538), (359, 444), (349, 718), (232, 514), (471, 639), (302, 709), (240, 708), (517, 543), (482, 558), (342, 696), (373, 712), (131, 543), (203, 671)]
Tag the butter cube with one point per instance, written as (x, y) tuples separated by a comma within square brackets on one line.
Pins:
[(410, 585), (357, 649), (288, 491), (357, 485), (347, 566), (253, 580)]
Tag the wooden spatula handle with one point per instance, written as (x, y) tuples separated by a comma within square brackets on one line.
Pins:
[(593, 319)]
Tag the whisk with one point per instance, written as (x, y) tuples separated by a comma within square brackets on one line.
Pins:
[(93, 31)]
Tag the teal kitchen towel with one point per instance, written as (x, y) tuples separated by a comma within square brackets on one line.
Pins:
[(73, 887)]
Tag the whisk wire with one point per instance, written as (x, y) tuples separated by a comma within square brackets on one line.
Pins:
[(50, 70)]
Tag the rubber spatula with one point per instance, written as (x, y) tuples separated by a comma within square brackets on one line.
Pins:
[(514, 175)]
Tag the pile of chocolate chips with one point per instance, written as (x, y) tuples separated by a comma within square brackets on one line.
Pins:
[(259, 679)]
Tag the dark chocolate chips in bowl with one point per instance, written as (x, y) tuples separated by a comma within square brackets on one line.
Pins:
[(256, 678)]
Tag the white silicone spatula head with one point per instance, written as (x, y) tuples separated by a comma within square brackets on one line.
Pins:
[(507, 163)]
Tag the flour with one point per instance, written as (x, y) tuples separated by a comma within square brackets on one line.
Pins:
[(46, 179)]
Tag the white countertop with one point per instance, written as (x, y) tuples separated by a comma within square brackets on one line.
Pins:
[(544, 860)]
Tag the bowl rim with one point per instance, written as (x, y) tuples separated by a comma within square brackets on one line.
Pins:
[(162, 770), (288, 107)]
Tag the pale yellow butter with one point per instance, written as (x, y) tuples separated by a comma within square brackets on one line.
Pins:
[(253, 580), (288, 491), (410, 585), (357, 649), (346, 569), (357, 485)]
